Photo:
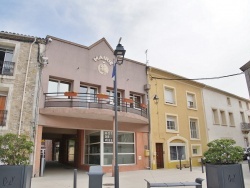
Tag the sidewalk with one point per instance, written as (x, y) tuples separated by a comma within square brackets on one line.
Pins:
[(58, 178)]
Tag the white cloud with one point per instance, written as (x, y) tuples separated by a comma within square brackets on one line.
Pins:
[(191, 38)]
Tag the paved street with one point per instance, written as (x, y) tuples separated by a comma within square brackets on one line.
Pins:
[(63, 177)]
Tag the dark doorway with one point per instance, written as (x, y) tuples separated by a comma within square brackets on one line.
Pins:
[(159, 155)]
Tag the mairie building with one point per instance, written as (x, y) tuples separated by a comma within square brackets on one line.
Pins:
[(76, 110)]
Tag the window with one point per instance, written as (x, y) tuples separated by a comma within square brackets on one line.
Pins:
[(194, 131), (172, 123), (191, 100), (177, 151), (92, 148), (215, 116), (6, 64), (169, 94), (231, 119), (247, 105), (88, 93), (126, 148), (223, 117), (137, 101), (110, 93), (196, 150), (228, 101), (248, 119), (242, 117), (3, 111), (58, 87), (240, 104)]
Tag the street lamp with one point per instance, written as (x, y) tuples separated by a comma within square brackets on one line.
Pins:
[(119, 54)]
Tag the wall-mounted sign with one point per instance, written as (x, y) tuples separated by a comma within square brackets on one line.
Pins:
[(108, 136), (103, 68)]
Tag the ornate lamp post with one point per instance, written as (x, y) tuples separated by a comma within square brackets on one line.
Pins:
[(119, 54)]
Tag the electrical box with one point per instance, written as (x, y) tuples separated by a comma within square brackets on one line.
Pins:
[(146, 153)]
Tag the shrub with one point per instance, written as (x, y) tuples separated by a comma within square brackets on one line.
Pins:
[(15, 150), (223, 151)]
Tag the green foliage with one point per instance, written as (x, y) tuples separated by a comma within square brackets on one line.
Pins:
[(223, 151), (14, 149)]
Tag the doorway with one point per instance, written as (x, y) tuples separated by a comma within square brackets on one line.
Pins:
[(159, 155)]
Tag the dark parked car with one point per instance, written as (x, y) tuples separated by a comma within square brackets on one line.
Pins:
[(246, 153)]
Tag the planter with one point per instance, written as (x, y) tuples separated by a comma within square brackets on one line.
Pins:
[(128, 100), (15, 176), (102, 96), (70, 94), (224, 176)]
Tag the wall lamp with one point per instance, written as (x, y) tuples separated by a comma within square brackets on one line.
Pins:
[(156, 99)]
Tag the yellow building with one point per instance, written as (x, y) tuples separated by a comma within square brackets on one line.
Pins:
[(178, 129)]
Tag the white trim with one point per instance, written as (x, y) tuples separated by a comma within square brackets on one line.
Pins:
[(198, 127), (176, 123), (174, 95), (199, 150), (171, 144), (195, 106)]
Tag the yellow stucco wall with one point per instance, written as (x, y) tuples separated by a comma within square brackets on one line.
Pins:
[(158, 112)]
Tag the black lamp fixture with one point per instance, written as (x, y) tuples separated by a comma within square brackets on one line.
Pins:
[(119, 54), (156, 99)]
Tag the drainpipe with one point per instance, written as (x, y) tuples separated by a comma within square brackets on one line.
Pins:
[(24, 89), (149, 119), (149, 132)]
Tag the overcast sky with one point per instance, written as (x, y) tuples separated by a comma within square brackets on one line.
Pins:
[(191, 38)]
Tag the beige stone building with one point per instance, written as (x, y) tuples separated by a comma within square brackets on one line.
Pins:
[(19, 80)]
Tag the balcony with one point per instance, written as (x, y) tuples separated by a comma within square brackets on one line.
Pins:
[(3, 115), (84, 105), (245, 127), (7, 68)]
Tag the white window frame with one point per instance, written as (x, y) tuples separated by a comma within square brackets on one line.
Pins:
[(191, 104), (89, 99), (102, 148), (172, 102), (228, 101), (59, 81), (198, 147), (223, 117), (240, 104), (6, 51), (176, 130), (231, 119), (133, 96), (242, 116), (173, 144), (197, 128), (112, 97), (215, 116)]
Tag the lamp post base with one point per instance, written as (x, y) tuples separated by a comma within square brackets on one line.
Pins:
[(116, 176)]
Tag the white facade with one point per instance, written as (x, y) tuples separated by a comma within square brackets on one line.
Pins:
[(224, 114)]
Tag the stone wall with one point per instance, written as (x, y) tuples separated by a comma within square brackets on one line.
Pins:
[(16, 85)]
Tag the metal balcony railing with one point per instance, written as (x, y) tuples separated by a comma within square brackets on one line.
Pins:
[(86, 100), (3, 115), (245, 127), (7, 68)]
